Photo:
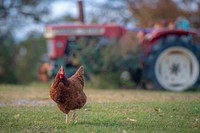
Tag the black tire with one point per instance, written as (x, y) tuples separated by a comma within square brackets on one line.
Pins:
[(180, 68)]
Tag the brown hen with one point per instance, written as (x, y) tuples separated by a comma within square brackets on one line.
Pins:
[(68, 92)]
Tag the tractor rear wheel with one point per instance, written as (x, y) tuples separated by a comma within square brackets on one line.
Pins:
[(173, 64)]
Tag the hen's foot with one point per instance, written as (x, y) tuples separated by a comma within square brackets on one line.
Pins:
[(74, 116)]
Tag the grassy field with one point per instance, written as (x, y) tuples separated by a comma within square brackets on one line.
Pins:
[(29, 109)]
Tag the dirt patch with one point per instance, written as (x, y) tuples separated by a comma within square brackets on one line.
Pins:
[(31, 96), (25, 102), (137, 95)]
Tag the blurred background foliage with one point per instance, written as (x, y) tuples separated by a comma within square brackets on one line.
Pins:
[(19, 59), (30, 55)]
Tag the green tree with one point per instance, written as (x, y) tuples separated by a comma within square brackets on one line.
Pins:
[(145, 11), (7, 59), (29, 57), (16, 14)]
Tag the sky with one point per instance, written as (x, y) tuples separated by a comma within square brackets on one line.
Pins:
[(63, 7), (58, 8)]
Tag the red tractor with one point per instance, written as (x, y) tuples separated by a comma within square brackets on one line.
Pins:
[(64, 42), (170, 61)]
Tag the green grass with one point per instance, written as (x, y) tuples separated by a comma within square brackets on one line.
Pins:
[(105, 118), (176, 115)]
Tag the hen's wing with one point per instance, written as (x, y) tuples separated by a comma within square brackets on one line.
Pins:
[(78, 77)]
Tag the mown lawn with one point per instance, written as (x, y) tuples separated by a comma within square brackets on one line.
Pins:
[(107, 111)]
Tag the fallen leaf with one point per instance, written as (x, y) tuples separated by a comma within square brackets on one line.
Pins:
[(17, 116), (87, 109), (132, 120), (157, 109), (196, 122), (124, 131)]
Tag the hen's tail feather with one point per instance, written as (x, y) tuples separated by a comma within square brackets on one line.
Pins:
[(79, 75), (79, 72)]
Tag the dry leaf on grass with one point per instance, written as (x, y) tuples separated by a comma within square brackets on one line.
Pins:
[(132, 120), (157, 109), (196, 122), (17, 116), (87, 109), (124, 131)]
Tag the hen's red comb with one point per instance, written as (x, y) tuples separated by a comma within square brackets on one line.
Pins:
[(61, 67)]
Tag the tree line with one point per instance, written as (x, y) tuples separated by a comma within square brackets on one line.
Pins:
[(19, 60)]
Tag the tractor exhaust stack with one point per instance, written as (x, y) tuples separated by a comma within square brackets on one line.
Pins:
[(81, 12)]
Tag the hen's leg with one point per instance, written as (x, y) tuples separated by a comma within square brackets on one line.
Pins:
[(67, 120), (73, 115)]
